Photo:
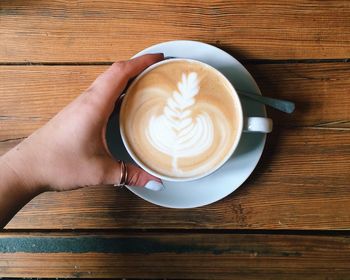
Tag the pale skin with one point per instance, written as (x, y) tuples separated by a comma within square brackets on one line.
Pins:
[(70, 152)]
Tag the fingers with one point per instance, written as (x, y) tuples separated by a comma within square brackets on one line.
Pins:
[(135, 176), (139, 177), (112, 82)]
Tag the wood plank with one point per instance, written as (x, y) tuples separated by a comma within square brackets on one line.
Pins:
[(320, 92), (175, 255), (302, 182), (31, 95), (109, 30)]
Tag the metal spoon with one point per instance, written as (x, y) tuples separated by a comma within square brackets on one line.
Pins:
[(281, 105)]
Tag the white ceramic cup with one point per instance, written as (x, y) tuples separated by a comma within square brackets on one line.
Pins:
[(245, 124)]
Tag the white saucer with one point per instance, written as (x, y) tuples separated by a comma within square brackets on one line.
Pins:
[(229, 177)]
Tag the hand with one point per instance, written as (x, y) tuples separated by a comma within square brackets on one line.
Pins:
[(70, 151)]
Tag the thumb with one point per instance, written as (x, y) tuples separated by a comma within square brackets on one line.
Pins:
[(135, 176), (110, 84)]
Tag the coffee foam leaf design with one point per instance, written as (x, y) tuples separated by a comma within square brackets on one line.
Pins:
[(176, 132)]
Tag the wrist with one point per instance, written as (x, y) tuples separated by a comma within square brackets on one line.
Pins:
[(17, 185), (21, 167)]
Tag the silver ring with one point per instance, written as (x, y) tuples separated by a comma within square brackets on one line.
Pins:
[(123, 175)]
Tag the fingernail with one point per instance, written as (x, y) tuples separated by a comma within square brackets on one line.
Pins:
[(154, 186)]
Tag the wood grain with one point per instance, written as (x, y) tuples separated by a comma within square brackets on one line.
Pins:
[(302, 182), (31, 95), (175, 256), (320, 92), (66, 31)]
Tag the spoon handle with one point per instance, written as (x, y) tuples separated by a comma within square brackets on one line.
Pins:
[(282, 105)]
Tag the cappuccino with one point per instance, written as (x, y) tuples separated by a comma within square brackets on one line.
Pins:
[(181, 119)]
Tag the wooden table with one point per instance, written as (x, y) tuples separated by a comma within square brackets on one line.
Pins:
[(289, 220)]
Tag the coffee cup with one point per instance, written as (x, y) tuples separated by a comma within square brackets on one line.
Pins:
[(182, 119)]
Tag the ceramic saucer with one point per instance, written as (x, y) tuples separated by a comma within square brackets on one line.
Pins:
[(237, 169)]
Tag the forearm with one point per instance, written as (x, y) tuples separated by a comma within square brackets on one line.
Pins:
[(17, 185)]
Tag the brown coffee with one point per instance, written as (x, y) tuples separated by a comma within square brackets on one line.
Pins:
[(181, 119)]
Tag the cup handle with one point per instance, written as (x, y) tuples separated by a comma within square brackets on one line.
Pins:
[(257, 124)]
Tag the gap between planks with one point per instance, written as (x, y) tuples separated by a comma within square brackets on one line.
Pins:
[(97, 231), (248, 61)]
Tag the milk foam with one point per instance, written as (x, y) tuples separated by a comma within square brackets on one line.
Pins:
[(179, 120), (175, 132)]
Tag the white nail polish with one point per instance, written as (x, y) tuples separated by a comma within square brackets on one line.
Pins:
[(154, 186)]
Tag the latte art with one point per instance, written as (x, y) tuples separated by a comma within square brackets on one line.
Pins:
[(175, 132), (180, 119)]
